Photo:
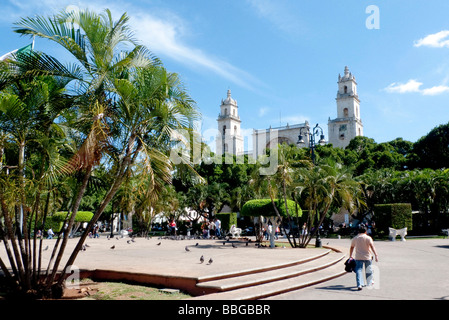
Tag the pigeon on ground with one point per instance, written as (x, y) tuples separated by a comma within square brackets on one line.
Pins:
[(196, 244), (128, 241), (46, 248), (210, 261), (113, 247), (233, 245), (159, 244), (84, 247), (187, 249), (202, 259)]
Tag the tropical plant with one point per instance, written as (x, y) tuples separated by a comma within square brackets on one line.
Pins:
[(321, 187), (124, 108)]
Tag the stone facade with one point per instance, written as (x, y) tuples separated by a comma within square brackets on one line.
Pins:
[(268, 138), (348, 123), (341, 130), (229, 139)]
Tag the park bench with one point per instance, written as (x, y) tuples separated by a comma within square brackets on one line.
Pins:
[(397, 232), (235, 232), (445, 232)]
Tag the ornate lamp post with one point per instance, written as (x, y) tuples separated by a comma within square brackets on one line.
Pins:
[(316, 131)]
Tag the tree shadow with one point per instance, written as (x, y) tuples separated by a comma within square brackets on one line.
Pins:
[(443, 246)]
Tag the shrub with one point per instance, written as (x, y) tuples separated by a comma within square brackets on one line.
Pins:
[(227, 220), (56, 220), (395, 215), (264, 207)]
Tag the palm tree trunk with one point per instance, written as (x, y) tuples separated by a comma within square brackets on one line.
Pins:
[(12, 238), (74, 210), (125, 165), (278, 214)]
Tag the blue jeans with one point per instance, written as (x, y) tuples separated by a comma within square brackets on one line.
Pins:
[(368, 272)]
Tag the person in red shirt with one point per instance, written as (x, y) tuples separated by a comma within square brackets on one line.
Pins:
[(364, 250)]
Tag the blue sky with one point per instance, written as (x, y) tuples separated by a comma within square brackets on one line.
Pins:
[(281, 58)]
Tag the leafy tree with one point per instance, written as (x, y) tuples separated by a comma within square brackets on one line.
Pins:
[(432, 150)]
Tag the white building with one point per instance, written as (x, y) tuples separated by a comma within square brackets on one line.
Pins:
[(229, 139), (341, 130), (268, 138), (348, 123)]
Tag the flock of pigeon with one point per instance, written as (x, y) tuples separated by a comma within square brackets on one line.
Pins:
[(227, 240)]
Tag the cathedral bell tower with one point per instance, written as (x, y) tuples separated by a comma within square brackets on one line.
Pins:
[(348, 123), (229, 139)]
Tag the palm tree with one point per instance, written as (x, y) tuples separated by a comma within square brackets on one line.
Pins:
[(127, 104), (28, 108), (323, 186)]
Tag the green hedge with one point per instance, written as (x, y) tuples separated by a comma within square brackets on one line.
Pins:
[(264, 207), (57, 219), (394, 215), (227, 220)]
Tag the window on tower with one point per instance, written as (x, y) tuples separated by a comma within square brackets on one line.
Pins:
[(345, 112), (224, 130), (346, 89)]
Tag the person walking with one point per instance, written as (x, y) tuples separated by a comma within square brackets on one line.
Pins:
[(364, 250)]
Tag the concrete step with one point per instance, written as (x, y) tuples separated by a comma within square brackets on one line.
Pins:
[(258, 269), (270, 275), (272, 283)]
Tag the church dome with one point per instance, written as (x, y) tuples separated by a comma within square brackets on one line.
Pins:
[(229, 99)]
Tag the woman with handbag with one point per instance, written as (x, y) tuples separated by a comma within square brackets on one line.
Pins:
[(364, 250)]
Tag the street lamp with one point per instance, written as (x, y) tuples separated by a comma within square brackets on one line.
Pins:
[(316, 131)]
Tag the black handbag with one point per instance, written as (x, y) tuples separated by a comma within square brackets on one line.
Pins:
[(350, 265)]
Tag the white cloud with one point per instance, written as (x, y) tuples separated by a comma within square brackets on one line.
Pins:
[(435, 90), (163, 32), (415, 86), (164, 37), (263, 111), (410, 86), (277, 14), (436, 40)]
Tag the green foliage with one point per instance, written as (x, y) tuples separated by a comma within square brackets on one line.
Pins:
[(432, 150), (264, 207), (81, 216), (56, 221), (227, 220), (395, 215), (365, 154)]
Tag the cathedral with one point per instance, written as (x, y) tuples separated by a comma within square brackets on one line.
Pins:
[(341, 130)]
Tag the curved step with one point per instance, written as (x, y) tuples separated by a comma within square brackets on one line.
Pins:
[(271, 275), (257, 270), (329, 270)]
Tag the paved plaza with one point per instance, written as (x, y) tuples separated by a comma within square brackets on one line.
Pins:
[(416, 269)]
